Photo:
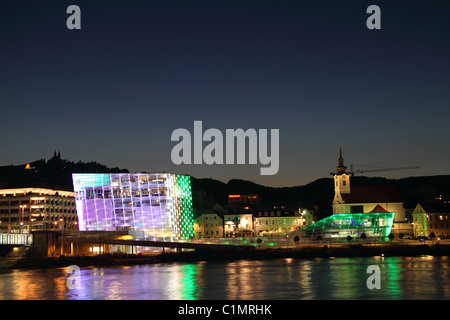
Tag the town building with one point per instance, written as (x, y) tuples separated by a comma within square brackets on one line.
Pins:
[(238, 225), (23, 210), (242, 202), (208, 225), (157, 205), (280, 220), (432, 217)]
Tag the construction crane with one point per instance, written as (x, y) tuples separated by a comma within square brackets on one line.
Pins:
[(378, 169)]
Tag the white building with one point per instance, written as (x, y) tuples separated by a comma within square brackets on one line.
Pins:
[(33, 209), (279, 221), (362, 199), (238, 225)]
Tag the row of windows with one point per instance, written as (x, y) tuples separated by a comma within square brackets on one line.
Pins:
[(38, 210), (36, 202), (439, 226), (119, 192), (213, 225), (32, 194), (52, 218), (278, 213), (214, 217), (209, 233), (140, 180), (436, 217), (277, 222)]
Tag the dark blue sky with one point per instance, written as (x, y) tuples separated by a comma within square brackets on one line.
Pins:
[(114, 91)]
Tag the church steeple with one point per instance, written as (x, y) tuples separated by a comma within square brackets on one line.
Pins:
[(341, 184), (340, 168)]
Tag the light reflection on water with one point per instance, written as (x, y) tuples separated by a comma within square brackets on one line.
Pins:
[(283, 279)]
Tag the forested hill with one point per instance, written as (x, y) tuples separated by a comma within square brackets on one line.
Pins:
[(321, 191), (57, 173)]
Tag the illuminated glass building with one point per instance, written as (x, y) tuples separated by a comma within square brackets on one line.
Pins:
[(376, 224), (159, 204)]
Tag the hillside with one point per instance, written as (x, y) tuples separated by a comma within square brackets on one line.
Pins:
[(57, 173), (319, 193)]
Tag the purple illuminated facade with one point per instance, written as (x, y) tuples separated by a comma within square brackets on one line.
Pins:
[(158, 204)]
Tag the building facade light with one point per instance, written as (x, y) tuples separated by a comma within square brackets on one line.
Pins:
[(159, 204)]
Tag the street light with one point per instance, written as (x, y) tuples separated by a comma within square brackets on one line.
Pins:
[(22, 206), (76, 226), (62, 235)]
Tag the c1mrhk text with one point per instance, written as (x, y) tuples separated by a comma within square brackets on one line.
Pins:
[(227, 309)]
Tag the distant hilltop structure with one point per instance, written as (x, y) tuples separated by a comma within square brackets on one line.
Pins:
[(55, 173), (56, 156), (32, 165)]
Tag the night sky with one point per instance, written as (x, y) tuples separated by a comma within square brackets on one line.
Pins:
[(114, 91)]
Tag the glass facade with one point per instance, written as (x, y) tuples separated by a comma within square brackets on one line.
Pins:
[(159, 204), (341, 225)]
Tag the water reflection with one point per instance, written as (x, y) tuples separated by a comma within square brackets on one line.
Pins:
[(306, 288), (288, 279), (182, 283), (31, 285), (428, 278), (392, 271)]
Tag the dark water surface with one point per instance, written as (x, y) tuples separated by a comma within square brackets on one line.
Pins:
[(404, 278)]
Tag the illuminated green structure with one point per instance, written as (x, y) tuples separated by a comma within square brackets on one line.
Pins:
[(158, 204), (376, 224)]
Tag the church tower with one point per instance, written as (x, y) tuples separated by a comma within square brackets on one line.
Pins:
[(341, 178), (341, 184)]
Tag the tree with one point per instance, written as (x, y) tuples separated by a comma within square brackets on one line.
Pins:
[(363, 236), (391, 237), (432, 236)]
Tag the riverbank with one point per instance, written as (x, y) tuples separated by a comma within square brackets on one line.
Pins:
[(259, 253), (355, 250)]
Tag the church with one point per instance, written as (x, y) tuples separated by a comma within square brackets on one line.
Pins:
[(364, 199)]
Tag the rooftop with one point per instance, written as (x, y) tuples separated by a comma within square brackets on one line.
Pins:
[(40, 191), (372, 194), (436, 207)]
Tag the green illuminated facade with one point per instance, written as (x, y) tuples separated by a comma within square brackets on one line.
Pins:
[(375, 225), (159, 204)]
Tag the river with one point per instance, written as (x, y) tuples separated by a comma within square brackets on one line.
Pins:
[(400, 278)]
